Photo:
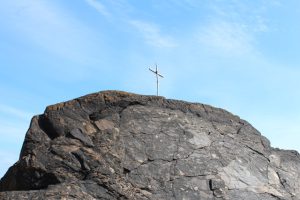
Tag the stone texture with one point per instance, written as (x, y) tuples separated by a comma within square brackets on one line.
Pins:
[(118, 145)]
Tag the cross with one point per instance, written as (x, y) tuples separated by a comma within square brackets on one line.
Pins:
[(157, 75)]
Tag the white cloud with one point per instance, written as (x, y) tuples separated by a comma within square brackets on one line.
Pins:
[(120, 14), (252, 13), (9, 110), (226, 38), (152, 34), (233, 28), (99, 7), (50, 27), (183, 4)]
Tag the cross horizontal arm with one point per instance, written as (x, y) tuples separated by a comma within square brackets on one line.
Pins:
[(159, 75), (156, 72), (153, 71)]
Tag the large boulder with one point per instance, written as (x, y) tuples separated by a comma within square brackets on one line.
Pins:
[(118, 145)]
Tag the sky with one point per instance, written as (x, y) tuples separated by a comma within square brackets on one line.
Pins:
[(240, 55)]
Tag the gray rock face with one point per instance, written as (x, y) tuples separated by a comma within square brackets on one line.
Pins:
[(117, 145)]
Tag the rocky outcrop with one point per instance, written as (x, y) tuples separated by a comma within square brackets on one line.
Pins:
[(117, 145)]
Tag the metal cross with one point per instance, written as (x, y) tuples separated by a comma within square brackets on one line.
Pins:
[(157, 75)]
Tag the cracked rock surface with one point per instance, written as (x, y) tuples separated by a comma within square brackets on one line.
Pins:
[(118, 145)]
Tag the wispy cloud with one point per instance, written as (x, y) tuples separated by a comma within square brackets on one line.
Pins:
[(183, 4), (50, 27), (99, 7), (233, 26), (15, 112), (252, 13), (152, 34), (226, 38)]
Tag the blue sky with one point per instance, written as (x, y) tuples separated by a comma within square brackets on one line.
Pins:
[(243, 56)]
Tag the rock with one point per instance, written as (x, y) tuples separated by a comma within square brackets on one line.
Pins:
[(216, 184), (84, 138), (118, 145)]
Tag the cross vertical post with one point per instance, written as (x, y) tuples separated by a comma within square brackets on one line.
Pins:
[(157, 76)]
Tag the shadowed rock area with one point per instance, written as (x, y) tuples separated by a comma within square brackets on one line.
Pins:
[(117, 145)]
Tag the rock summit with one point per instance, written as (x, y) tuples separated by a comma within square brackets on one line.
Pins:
[(117, 145)]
